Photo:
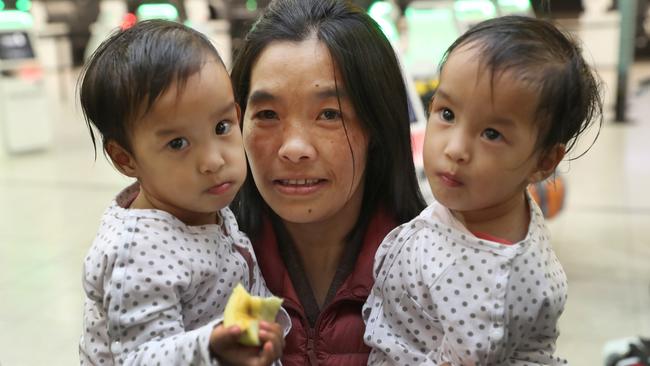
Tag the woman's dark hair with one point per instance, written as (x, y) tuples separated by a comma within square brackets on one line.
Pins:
[(538, 53), (132, 68), (373, 81)]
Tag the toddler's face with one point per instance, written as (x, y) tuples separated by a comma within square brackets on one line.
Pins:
[(479, 148), (187, 151)]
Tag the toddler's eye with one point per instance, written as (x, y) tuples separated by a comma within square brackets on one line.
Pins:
[(447, 115), (223, 127), (330, 114), (178, 143), (492, 134)]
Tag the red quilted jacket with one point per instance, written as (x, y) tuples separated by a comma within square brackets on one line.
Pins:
[(337, 338)]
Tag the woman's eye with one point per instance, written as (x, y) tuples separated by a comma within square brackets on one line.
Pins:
[(447, 115), (223, 127), (266, 114), (330, 114), (178, 143), (492, 134)]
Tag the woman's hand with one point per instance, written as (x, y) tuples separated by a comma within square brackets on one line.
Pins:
[(224, 345)]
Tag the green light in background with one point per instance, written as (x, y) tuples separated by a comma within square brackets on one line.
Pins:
[(157, 11), (380, 9), (431, 31), (15, 19), (381, 12), (475, 9), (513, 6), (251, 5), (23, 5), (2, 4)]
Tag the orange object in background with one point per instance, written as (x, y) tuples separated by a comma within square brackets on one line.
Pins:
[(129, 21), (549, 195), (30, 71)]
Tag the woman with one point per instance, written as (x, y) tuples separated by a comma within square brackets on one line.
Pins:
[(326, 132)]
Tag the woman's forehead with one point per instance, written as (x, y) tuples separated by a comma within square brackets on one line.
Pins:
[(284, 56), (285, 66)]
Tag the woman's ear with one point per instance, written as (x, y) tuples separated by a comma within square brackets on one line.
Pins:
[(122, 159), (547, 163)]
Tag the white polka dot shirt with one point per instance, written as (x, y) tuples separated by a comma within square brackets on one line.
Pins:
[(442, 295), (155, 287)]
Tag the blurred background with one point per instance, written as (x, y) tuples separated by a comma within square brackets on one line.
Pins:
[(53, 190)]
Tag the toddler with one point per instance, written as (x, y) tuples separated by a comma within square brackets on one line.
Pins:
[(473, 279), (168, 252)]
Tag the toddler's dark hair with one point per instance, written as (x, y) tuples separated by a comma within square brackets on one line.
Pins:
[(536, 52), (132, 68)]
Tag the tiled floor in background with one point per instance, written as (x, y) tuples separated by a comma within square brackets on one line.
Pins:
[(50, 204)]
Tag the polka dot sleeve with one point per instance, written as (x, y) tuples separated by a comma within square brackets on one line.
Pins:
[(444, 296), (155, 289), (146, 280)]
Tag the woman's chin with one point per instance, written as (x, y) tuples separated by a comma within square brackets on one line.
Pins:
[(298, 214)]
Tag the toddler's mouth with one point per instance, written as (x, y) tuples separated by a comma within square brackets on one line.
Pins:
[(450, 180), (220, 188)]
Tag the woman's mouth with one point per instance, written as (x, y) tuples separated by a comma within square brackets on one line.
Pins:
[(298, 182), (298, 186)]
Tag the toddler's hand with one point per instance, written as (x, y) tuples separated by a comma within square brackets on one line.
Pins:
[(224, 346), (272, 339)]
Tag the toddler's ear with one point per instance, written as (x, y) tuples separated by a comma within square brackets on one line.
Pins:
[(548, 161), (238, 107), (122, 159)]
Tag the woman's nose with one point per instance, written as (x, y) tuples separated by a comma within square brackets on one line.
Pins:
[(296, 144)]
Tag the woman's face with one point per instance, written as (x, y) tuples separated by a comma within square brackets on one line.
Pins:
[(305, 145)]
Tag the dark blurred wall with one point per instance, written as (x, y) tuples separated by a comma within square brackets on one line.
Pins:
[(557, 8), (78, 15), (241, 19)]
